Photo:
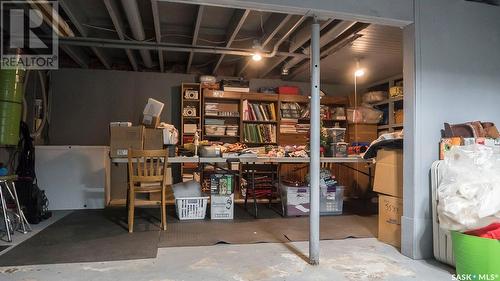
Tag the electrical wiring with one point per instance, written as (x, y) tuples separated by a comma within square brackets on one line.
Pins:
[(107, 29), (167, 35)]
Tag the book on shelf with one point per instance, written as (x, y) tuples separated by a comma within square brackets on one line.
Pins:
[(258, 111), (259, 133)]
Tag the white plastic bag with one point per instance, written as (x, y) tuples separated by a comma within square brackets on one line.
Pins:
[(469, 191)]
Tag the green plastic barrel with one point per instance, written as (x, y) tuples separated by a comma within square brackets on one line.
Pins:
[(11, 85), (11, 97), (476, 258)]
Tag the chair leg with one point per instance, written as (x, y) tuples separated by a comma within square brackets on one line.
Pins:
[(164, 208), (131, 206)]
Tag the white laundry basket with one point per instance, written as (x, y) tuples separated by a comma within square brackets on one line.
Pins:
[(443, 250), (191, 208)]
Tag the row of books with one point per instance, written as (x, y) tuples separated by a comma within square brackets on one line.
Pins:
[(259, 133), (258, 111)]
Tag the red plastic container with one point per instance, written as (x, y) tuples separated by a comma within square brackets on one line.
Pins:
[(288, 90)]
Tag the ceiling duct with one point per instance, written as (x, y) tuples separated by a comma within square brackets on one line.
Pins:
[(135, 22)]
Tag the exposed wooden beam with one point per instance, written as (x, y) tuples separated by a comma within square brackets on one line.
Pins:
[(301, 37), (273, 26), (331, 34), (196, 32), (118, 24), (156, 20), (328, 52), (83, 31), (235, 25)]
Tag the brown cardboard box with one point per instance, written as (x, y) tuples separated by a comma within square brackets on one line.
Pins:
[(153, 139), (362, 133), (123, 138), (399, 116), (118, 182), (389, 220), (389, 172), (150, 121)]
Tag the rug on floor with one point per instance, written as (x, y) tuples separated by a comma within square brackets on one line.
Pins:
[(85, 236), (101, 235)]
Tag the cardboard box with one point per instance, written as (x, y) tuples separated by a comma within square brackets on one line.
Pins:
[(153, 139), (123, 138), (362, 133), (118, 181), (150, 121), (389, 172), (389, 220), (222, 207)]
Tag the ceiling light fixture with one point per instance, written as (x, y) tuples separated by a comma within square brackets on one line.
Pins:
[(258, 49), (257, 56), (359, 71)]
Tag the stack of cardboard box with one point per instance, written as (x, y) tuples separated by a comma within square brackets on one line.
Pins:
[(389, 184), (121, 139)]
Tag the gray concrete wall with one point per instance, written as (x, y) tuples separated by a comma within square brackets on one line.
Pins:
[(83, 102), (457, 79)]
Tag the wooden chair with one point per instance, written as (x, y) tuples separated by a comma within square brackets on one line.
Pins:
[(147, 171)]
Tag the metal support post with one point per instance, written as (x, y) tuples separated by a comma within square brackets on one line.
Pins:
[(314, 165)]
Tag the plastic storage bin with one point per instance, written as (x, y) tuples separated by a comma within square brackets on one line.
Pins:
[(296, 200), (331, 200), (476, 256), (443, 250), (222, 207), (191, 208)]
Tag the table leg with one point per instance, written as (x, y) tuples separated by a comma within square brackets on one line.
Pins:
[(253, 189), (4, 209)]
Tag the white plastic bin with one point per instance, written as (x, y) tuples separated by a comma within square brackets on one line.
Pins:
[(191, 208), (443, 250)]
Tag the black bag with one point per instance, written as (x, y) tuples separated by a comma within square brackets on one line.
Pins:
[(31, 197)]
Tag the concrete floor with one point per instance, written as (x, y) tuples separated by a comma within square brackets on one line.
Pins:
[(350, 259)]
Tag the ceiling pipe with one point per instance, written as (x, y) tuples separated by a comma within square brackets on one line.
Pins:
[(124, 44), (135, 22)]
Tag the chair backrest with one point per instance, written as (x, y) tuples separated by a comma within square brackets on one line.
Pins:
[(147, 165)]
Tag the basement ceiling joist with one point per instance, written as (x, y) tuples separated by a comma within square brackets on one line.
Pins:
[(199, 26)]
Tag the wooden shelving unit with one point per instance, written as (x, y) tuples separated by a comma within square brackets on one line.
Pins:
[(390, 105), (189, 168)]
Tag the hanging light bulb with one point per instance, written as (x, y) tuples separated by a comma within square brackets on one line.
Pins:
[(258, 49), (359, 71), (257, 56)]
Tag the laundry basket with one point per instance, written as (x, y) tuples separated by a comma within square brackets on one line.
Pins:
[(442, 241), (191, 208)]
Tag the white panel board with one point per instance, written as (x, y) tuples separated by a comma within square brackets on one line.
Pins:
[(73, 177)]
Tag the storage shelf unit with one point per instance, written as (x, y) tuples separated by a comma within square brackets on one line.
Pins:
[(233, 101), (189, 169), (390, 105)]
